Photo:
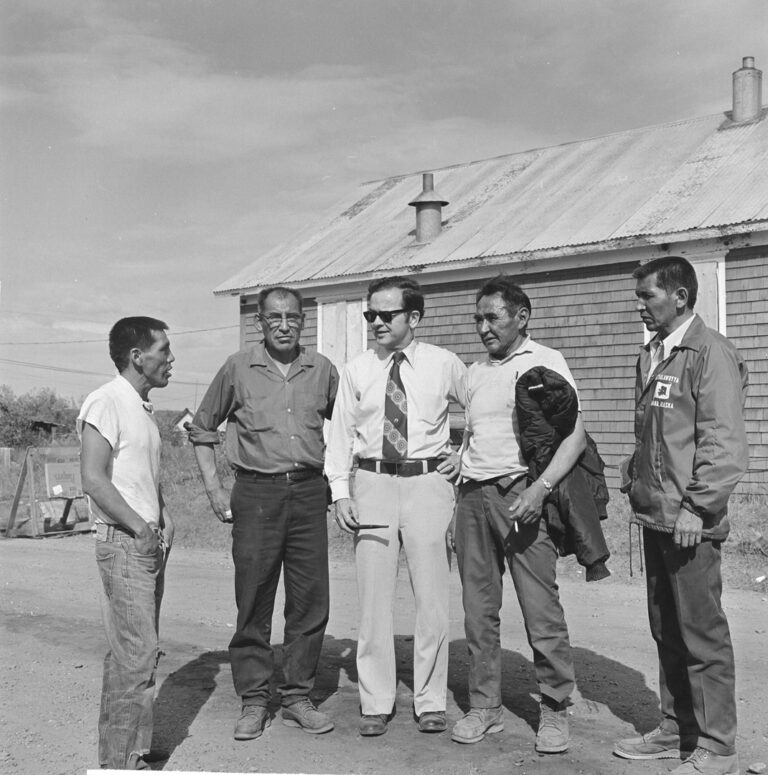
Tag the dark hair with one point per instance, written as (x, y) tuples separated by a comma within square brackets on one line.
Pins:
[(280, 290), (128, 333), (514, 296), (413, 298), (672, 272)]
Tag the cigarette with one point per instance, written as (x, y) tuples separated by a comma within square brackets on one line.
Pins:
[(369, 527), (517, 529)]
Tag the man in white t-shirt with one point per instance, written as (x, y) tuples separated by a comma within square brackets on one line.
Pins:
[(499, 520), (120, 463)]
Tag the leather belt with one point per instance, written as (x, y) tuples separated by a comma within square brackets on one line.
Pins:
[(298, 475), (112, 533), (400, 467)]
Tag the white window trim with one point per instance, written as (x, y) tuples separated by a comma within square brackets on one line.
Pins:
[(321, 316), (319, 335)]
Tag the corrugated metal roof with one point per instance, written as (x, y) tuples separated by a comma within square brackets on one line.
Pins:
[(662, 180)]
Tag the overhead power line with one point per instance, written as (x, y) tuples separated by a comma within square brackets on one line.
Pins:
[(64, 370), (102, 339)]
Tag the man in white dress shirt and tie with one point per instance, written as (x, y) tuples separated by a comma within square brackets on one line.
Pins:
[(391, 418)]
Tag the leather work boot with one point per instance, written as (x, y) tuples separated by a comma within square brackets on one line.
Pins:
[(373, 724), (305, 715), (704, 762), (252, 722), (553, 735), (432, 721), (478, 723), (659, 743)]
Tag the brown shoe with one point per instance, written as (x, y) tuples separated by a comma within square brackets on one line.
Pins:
[(372, 725), (432, 721), (252, 722)]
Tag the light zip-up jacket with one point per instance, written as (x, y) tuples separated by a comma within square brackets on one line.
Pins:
[(690, 441)]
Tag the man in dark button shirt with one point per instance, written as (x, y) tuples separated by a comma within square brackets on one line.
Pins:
[(274, 397)]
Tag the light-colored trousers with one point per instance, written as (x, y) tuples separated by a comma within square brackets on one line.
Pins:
[(132, 589), (417, 511)]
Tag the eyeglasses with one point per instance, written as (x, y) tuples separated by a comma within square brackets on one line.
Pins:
[(385, 315), (292, 320)]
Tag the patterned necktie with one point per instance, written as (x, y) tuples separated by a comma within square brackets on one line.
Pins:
[(395, 443)]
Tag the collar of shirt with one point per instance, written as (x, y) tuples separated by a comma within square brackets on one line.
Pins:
[(673, 340), (385, 356), (126, 387), (526, 346), (260, 357)]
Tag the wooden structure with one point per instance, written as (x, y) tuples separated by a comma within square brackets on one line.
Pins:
[(51, 478)]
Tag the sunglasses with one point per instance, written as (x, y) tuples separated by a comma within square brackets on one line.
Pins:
[(385, 315)]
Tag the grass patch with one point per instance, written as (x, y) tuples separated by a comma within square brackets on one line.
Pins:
[(745, 553), (196, 525)]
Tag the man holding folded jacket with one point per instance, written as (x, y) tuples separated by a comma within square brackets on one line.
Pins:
[(499, 519), (391, 418)]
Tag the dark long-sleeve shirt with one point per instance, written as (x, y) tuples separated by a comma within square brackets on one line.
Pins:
[(274, 423)]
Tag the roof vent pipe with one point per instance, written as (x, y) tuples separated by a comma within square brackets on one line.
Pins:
[(429, 216), (747, 92)]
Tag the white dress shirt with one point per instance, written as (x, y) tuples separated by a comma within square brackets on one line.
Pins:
[(432, 376)]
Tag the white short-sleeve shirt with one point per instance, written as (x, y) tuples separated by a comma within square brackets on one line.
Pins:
[(492, 445), (128, 424)]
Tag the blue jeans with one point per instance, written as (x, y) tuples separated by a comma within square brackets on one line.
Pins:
[(130, 605), (279, 525)]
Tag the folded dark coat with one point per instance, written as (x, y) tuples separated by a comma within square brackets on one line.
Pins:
[(547, 409)]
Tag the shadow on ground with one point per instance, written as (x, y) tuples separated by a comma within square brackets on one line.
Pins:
[(602, 684)]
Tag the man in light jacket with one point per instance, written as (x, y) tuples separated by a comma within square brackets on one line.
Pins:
[(690, 452)]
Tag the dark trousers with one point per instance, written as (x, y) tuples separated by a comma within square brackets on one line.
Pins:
[(485, 538), (696, 668), (279, 524)]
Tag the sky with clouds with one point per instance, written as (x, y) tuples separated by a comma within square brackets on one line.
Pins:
[(149, 149)]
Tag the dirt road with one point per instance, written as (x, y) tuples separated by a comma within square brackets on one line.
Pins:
[(52, 648)]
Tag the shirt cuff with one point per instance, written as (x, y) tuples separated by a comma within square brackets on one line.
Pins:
[(200, 436), (339, 489)]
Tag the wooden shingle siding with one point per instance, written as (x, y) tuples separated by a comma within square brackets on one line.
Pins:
[(746, 277), (249, 334), (590, 316)]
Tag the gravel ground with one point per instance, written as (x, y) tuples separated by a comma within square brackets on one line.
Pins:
[(52, 647)]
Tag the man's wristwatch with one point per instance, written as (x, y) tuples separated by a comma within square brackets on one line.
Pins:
[(546, 483)]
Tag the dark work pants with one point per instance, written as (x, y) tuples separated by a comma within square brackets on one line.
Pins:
[(279, 524), (696, 668), (484, 540)]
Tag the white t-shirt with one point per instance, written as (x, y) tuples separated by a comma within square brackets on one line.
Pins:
[(492, 446), (128, 424)]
